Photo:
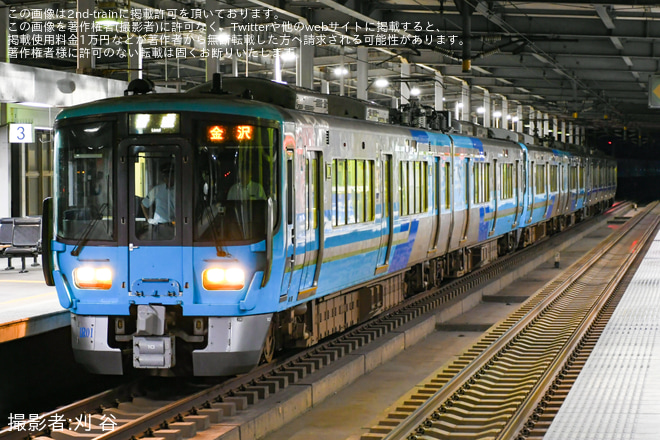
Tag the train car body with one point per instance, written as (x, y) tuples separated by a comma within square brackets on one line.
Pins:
[(197, 233)]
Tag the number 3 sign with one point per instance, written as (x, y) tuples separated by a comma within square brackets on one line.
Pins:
[(21, 133)]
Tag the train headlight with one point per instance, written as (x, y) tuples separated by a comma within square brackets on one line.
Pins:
[(92, 278), (223, 279)]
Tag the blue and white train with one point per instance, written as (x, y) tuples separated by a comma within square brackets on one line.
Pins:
[(198, 233)]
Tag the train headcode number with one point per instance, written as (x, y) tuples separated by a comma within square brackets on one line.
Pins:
[(86, 332)]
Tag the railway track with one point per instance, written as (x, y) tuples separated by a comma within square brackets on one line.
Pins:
[(124, 412), (511, 381)]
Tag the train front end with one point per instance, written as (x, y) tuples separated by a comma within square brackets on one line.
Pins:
[(162, 230)]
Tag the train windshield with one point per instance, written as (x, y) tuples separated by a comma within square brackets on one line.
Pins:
[(84, 198), (235, 174)]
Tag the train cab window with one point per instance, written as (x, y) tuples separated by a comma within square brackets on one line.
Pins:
[(540, 179), (553, 178), (84, 200), (155, 195), (235, 173)]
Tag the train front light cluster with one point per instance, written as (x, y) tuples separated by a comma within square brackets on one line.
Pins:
[(223, 279), (92, 278)]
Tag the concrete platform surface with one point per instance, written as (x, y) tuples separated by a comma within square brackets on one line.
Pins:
[(27, 305)]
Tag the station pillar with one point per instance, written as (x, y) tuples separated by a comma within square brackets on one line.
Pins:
[(362, 72), (439, 92)]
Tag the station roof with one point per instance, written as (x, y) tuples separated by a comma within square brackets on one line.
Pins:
[(589, 62)]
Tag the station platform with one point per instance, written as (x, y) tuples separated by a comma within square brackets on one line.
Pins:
[(27, 305), (617, 393)]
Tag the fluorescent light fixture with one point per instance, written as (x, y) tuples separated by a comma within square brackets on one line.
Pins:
[(628, 61), (108, 22), (415, 91), (508, 117), (515, 119), (224, 38), (459, 104), (381, 82), (497, 114), (341, 71), (481, 110), (35, 104), (287, 55), (524, 90)]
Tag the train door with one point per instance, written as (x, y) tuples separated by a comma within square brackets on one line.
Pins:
[(313, 256), (386, 209), (465, 174), (531, 185), (290, 243), (157, 217)]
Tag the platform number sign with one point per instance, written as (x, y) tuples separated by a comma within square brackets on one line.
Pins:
[(654, 91), (21, 133)]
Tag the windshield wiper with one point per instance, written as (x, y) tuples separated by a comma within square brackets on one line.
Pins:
[(82, 241), (219, 249)]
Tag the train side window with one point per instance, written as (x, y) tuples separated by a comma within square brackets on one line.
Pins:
[(487, 191), (572, 178), (425, 187), (339, 180), (482, 185), (369, 190), (477, 182), (360, 194), (553, 178), (351, 192), (507, 180), (581, 176), (403, 188), (540, 179), (417, 186), (447, 185)]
